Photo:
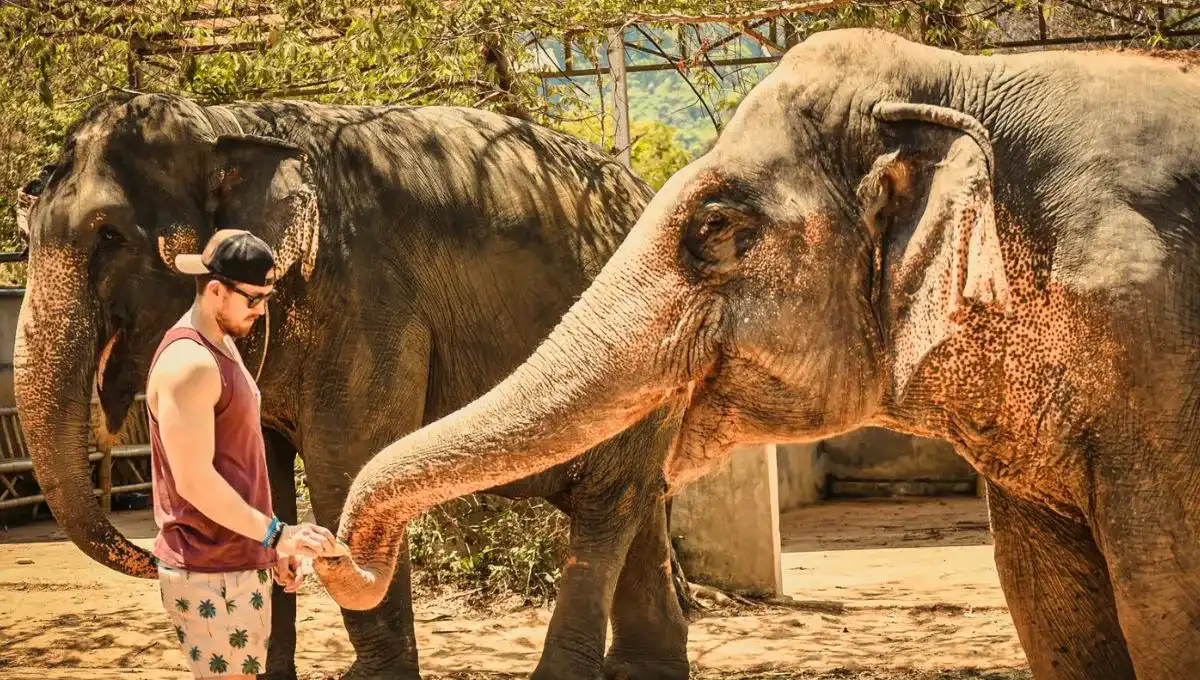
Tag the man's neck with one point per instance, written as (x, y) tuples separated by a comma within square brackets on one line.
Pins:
[(205, 322)]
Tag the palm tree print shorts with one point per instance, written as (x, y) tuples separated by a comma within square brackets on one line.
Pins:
[(222, 621)]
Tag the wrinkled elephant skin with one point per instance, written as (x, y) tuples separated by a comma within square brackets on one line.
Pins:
[(997, 251), (425, 252)]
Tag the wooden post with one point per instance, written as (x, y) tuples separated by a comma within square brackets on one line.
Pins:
[(106, 467), (133, 64), (616, 62)]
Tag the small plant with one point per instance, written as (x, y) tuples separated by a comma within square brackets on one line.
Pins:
[(491, 546)]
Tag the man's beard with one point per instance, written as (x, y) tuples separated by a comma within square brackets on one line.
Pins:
[(234, 330)]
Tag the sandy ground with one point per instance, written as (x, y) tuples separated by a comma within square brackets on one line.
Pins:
[(883, 590)]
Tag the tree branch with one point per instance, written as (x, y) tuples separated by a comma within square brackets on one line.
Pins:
[(495, 57), (716, 123), (765, 14), (760, 39)]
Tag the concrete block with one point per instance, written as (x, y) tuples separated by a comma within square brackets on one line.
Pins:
[(877, 453), (802, 469), (726, 524)]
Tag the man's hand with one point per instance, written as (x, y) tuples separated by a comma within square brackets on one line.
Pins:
[(308, 540), (287, 573)]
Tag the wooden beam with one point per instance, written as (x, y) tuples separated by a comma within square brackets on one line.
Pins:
[(616, 61), (1083, 39), (643, 68)]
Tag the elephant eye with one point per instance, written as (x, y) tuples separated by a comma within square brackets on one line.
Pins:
[(712, 223), (109, 234), (718, 237)]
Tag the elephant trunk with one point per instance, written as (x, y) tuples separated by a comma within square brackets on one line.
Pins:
[(601, 370), (54, 360)]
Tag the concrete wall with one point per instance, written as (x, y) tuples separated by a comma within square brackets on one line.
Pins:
[(861, 462), (10, 309), (876, 453), (802, 474), (725, 525)]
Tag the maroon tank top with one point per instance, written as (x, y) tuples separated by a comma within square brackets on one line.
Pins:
[(186, 538)]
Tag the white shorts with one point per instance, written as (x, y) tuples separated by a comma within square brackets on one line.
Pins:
[(222, 621)]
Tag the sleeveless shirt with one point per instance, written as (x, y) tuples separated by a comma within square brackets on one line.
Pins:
[(187, 539)]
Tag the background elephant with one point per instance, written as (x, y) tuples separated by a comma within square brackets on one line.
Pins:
[(1001, 252), (426, 252)]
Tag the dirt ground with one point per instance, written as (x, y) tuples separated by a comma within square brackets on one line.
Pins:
[(880, 590)]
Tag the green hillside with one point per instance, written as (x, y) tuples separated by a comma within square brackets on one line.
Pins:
[(665, 96)]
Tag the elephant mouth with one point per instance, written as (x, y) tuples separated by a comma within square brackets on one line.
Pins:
[(105, 354), (116, 381)]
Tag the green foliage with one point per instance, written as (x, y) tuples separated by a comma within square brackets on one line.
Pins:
[(655, 154), (490, 545), (55, 57)]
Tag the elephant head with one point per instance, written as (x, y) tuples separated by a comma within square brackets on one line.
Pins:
[(785, 286), (138, 181)]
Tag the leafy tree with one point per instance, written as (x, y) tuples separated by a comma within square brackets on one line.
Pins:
[(208, 611), (256, 601), (217, 664), (655, 152), (56, 56), (238, 639), (251, 666)]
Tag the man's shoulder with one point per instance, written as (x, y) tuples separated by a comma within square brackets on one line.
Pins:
[(186, 361)]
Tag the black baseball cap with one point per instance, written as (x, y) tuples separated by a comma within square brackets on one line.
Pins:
[(234, 254)]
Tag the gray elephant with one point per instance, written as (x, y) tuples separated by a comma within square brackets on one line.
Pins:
[(425, 253), (1002, 252)]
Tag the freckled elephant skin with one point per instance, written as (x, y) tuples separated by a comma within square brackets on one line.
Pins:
[(997, 251), (425, 252)]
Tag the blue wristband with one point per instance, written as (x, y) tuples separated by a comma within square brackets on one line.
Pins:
[(266, 542)]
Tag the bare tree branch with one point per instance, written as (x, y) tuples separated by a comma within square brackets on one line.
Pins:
[(716, 123), (789, 8), (495, 57)]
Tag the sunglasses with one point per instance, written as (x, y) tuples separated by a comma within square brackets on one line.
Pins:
[(251, 300)]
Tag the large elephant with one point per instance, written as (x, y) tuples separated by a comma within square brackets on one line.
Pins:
[(1002, 252), (425, 253)]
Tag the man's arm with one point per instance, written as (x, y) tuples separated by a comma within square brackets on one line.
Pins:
[(188, 386)]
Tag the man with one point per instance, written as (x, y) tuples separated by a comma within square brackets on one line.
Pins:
[(218, 537)]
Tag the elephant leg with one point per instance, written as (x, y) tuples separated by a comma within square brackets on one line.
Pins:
[(1146, 524), (601, 533), (345, 438), (1058, 592), (281, 646), (384, 638), (649, 628)]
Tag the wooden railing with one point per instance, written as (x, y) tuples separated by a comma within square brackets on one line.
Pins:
[(130, 447)]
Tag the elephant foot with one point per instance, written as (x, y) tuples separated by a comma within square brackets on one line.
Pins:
[(289, 674), (556, 664), (632, 667), (359, 671)]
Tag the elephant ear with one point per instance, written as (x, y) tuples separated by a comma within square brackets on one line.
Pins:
[(929, 205), (265, 186), (28, 194)]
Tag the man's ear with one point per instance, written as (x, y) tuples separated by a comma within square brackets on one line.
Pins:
[(262, 185), (929, 205)]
